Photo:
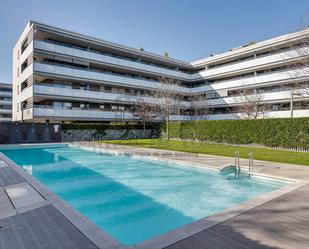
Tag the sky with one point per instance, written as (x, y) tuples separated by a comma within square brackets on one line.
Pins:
[(187, 29)]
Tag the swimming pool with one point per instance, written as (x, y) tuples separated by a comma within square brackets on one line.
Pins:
[(135, 199)]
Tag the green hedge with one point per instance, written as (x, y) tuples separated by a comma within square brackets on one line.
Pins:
[(289, 133)]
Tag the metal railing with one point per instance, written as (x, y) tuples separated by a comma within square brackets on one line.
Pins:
[(251, 165), (95, 71), (112, 55), (237, 164)]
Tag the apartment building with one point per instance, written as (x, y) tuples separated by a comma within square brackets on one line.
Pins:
[(59, 75), (5, 102)]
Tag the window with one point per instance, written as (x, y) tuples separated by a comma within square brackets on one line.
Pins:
[(24, 46), (57, 105), (24, 65), (83, 86), (67, 105), (23, 85), (83, 106), (275, 107), (108, 89)]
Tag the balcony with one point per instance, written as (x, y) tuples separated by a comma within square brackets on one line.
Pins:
[(271, 97), (270, 114), (5, 111), (6, 102), (5, 94), (107, 58), (45, 90), (95, 75), (267, 78), (5, 119), (48, 112), (243, 66)]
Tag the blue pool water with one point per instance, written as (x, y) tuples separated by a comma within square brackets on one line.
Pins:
[(131, 198)]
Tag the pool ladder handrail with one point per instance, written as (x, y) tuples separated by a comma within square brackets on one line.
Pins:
[(251, 161), (237, 164)]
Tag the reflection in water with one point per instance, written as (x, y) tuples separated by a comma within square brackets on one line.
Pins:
[(56, 157)]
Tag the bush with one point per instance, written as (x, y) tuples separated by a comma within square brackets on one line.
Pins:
[(288, 133)]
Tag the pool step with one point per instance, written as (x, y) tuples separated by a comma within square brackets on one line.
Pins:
[(227, 170), (235, 172)]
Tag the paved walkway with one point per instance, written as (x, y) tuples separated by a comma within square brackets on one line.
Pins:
[(280, 223), (277, 169)]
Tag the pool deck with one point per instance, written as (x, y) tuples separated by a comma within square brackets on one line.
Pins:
[(33, 217)]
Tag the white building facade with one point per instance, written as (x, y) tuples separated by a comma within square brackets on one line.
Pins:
[(59, 75), (5, 102)]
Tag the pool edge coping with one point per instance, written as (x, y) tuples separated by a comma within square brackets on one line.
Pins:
[(102, 239)]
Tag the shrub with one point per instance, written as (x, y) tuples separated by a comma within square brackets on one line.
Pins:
[(289, 133)]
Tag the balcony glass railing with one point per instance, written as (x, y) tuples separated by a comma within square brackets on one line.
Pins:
[(261, 55), (96, 71), (5, 91), (283, 88), (297, 107), (113, 55), (89, 89), (258, 56), (287, 70), (80, 109), (116, 111)]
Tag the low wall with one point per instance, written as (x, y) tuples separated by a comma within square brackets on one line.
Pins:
[(72, 135)]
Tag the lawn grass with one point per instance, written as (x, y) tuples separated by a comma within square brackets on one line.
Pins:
[(281, 156)]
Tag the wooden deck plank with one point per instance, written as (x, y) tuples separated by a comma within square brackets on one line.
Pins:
[(280, 223), (9, 176), (40, 228)]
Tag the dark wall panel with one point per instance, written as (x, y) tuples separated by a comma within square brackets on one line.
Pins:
[(11, 133)]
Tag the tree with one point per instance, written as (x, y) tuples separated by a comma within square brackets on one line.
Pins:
[(143, 111), (251, 103), (199, 105), (167, 99), (298, 57), (166, 54), (298, 62)]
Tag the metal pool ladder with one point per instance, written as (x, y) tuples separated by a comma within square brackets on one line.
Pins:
[(250, 161), (237, 164)]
